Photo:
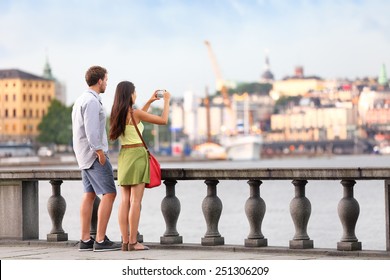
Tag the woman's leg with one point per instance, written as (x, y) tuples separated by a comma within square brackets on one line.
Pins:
[(123, 214), (137, 192)]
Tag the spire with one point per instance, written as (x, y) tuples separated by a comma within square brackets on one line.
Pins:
[(47, 70), (382, 79), (267, 75)]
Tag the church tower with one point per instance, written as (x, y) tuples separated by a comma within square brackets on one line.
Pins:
[(60, 89), (267, 76), (382, 79)]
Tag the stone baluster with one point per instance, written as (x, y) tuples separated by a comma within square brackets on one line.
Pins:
[(170, 208), (212, 209), (56, 206), (300, 210), (255, 210), (387, 213), (348, 210)]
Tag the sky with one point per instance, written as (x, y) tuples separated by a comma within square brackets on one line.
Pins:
[(160, 44)]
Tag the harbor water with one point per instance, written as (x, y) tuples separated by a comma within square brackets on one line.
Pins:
[(324, 226)]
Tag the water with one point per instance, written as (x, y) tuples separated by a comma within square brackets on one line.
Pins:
[(324, 225)]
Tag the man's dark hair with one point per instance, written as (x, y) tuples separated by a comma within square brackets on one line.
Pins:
[(94, 74)]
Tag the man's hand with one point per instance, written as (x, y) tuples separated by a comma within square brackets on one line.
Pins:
[(101, 157)]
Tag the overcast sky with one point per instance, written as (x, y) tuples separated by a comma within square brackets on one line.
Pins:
[(160, 44)]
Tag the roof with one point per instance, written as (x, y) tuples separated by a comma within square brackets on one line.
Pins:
[(18, 74), (267, 75)]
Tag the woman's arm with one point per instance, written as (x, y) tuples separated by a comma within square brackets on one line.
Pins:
[(141, 115), (153, 98)]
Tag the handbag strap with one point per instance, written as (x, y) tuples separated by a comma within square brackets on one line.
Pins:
[(136, 128)]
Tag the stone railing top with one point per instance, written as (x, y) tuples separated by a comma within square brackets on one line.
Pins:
[(219, 174)]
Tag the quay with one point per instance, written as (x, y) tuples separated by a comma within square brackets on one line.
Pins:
[(68, 250), (19, 215)]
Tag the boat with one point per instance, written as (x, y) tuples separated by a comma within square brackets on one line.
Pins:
[(210, 151), (243, 147)]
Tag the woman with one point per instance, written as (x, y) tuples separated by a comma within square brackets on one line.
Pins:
[(133, 162)]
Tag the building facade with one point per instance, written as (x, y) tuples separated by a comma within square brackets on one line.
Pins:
[(24, 100)]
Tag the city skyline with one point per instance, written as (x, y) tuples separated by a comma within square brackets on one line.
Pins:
[(160, 44)]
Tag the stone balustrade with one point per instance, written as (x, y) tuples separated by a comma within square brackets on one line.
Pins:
[(19, 213)]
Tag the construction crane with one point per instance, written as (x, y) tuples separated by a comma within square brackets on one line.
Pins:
[(220, 83)]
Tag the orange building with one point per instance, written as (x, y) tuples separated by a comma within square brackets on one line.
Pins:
[(24, 100)]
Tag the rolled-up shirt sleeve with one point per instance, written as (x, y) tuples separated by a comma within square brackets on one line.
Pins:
[(93, 126)]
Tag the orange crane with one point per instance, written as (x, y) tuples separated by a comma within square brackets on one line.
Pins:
[(221, 85)]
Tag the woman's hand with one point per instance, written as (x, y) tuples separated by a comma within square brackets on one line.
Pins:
[(154, 97), (167, 96)]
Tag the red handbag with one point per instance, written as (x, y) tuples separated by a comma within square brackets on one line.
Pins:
[(154, 165), (155, 172)]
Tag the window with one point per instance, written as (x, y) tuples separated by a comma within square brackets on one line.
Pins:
[(49, 98), (14, 111), (37, 98), (14, 97), (6, 113), (31, 113), (37, 113), (6, 97), (43, 98), (24, 113), (30, 97), (24, 97)]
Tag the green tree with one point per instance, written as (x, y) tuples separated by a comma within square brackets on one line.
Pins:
[(56, 125)]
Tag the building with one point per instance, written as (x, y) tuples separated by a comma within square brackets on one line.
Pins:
[(313, 124), (24, 100), (297, 85)]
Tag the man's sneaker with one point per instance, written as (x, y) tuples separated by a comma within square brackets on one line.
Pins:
[(106, 245), (86, 246)]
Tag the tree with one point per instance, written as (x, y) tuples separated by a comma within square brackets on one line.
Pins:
[(56, 125)]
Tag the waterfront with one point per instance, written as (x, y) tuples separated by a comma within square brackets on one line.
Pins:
[(324, 225)]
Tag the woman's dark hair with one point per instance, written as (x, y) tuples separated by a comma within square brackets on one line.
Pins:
[(94, 74), (122, 103)]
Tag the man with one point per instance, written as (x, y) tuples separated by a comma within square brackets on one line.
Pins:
[(91, 146)]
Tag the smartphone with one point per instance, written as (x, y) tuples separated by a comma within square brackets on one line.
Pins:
[(160, 93)]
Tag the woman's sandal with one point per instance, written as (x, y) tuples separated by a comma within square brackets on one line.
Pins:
[(125, 246), (132, 247)]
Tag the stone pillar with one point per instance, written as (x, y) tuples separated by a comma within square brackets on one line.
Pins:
[(212, 209), (387, 214), (94, 218), (255, 211), (300, 210), (170, 208), (348, 210), (56, 206), (19, 210)]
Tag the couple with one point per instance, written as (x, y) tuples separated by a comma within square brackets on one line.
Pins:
[(91, 146)]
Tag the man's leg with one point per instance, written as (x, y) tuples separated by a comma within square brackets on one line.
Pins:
[(104, 213), (86, 214)]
